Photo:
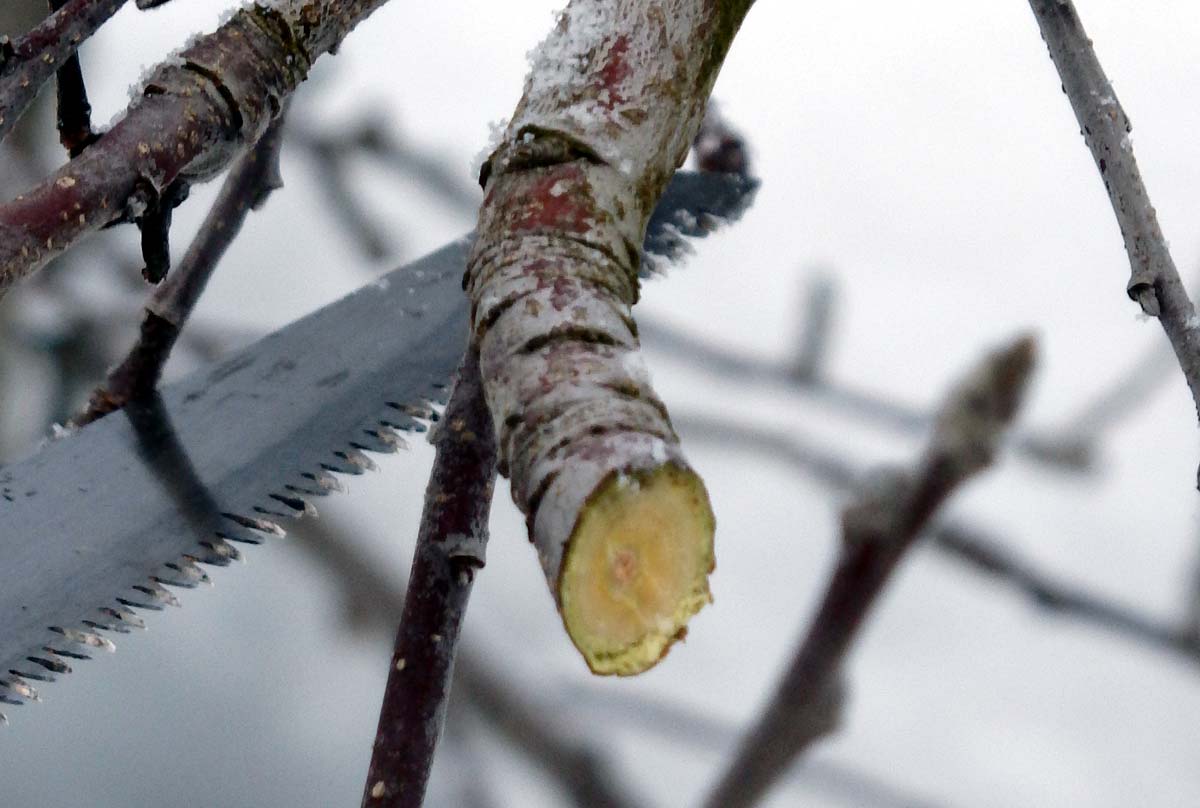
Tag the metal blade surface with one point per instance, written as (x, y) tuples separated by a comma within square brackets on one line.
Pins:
[(93, 524)]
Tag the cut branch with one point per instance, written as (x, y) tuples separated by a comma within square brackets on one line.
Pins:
[(1154, 282), (877, 530), (195, 114), (621, 523), (251, 180), (450, 548)]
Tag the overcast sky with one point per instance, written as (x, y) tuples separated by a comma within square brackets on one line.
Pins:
[(925, 158)]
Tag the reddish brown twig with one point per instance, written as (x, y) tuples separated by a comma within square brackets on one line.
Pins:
[(195, 113), (877, 530), (969, 544), (74, 111), (250, 182), (28, 63), (450, 548)]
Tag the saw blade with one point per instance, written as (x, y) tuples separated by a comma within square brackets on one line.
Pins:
[(98, 523)]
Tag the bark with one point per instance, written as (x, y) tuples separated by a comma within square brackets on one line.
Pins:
[(1154, 280), (614, 99), (28, 63), (196, 112), (877, 531), (251, 180), (450, 548)]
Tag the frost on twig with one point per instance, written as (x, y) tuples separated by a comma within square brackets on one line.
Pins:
[(878, 527), (1154, 282), (621, 522)]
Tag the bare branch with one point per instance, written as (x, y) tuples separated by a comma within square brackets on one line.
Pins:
[(250, 182), (1053, 449), (961, 541), (580, 770), (877, 530), (527, 727), (450, 548), (1154, 282), (195, 113), (29, 62), (74, 111), (697, 729), (817, 322)]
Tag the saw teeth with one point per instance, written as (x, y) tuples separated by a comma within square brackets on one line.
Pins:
[(53, 665), (87, 638), (353, 462), (219, 552), (155, 598), (32, 673), (326, 481), (372, 442), (125, 617), (21, 688), (402, 423), (261, 525), (184, 573), (302, 507), (389, 437)]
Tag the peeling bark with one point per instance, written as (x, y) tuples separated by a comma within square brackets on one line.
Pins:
[(610, 109)]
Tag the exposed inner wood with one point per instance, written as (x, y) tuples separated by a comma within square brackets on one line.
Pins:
[(636, 568)]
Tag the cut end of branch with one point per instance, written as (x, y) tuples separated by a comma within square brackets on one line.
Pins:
[(636, 568)]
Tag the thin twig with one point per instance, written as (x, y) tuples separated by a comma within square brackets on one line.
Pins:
[(195, 113), (250, 182), (878, 528), (963, 542), (1154, 283), (527, 726), (1056, 450), (29, 62), (582, 772), (450, 548), (74, 111), (817, 322)]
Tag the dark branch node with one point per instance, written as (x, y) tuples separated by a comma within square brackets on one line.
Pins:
[(155, 225)]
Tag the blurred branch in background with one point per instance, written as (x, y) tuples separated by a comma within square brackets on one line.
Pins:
[(879, 526), (1070, 448), (374, 140), (541, 730), (252, 179), (960, 541)]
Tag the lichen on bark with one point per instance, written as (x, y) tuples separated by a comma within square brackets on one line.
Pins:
[(621, 523)]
